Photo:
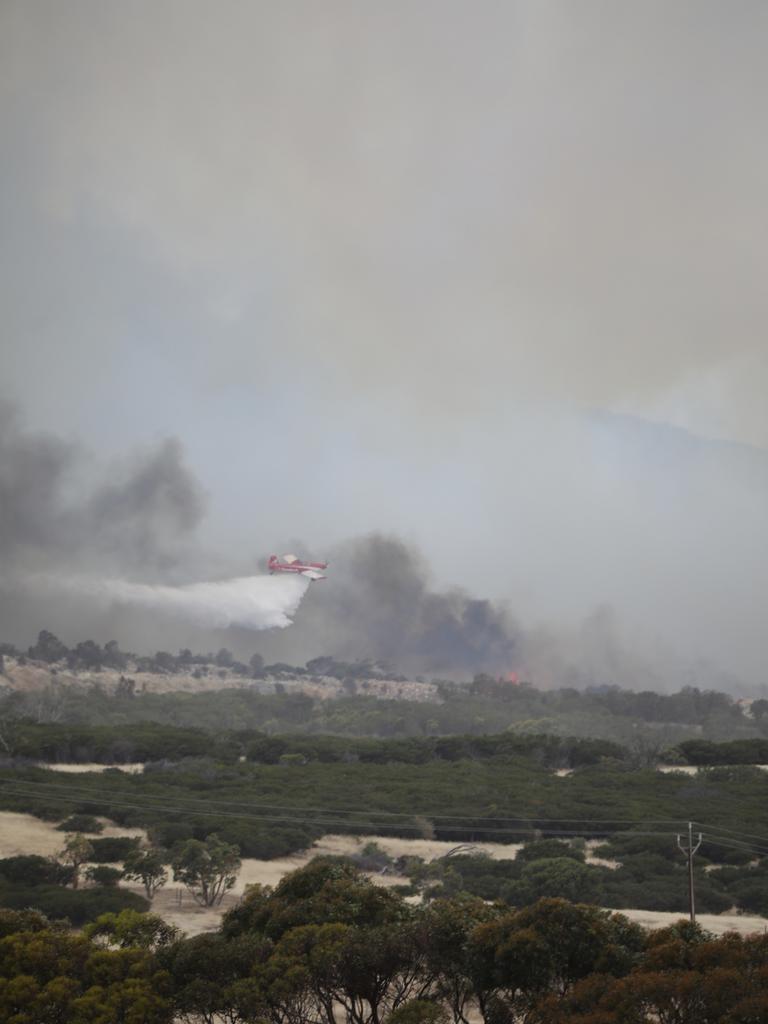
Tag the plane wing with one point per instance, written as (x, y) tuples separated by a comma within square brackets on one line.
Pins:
[(312, 574)]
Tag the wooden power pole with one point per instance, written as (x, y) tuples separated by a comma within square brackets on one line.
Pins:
[(689, 852)]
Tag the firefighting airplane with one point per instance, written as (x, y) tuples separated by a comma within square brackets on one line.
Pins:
[(291, 563)]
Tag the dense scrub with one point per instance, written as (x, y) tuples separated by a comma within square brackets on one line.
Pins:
[(147, 741), (273, 809), (328, 947), (150, 741), (651, 874), (751, 751), (499, 798)]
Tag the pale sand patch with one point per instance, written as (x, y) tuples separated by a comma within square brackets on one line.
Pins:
[(21, 833), (428, 849), (119, 832), (131, 769), (24, 834), (693, 769), (185, 914), (744, 924), (603, 862)]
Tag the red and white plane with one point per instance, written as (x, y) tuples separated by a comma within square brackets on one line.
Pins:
[(291, 563)]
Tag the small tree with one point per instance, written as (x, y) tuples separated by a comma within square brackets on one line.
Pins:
[(77, 851), (224, 658), (102, 874), (130, 928), (146, 866), (48, 647), (113, 656), (208, 869)]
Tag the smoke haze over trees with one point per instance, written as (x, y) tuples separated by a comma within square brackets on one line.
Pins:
[(486, 284), (67, 523)]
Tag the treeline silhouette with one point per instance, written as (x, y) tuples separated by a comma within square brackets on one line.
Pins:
[(61, 743), (87, 655), (709, 710)]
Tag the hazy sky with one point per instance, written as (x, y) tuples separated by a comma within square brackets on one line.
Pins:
[(486, 276)]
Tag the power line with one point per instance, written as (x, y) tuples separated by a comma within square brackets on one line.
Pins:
[(509, 825), (152, 804), (734, 844), (743, 847), (88, 794), (187, 807), (735, 832)]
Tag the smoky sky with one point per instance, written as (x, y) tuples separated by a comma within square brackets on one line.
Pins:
[(485, 280), (133, 518), (75, 531), (137, 519), (381, 606), (519, 198)]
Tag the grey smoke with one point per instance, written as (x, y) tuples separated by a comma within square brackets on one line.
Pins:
[(62, 516), (61, 543), (139, 514), (32, 468), (141, 521), (378, 603), (115, 559), (135, 518), (546, 200)]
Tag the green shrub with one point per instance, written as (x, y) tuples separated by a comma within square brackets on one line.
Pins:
[(30, 869), (560, 877), (546, 849), (169, 833), (113, 848), (102, 874), (76, 905), (81, 823)]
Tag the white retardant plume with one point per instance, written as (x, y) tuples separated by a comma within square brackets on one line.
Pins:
[(254, 602)]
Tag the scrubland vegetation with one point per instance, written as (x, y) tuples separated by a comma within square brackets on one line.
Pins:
[(283, 793), (264, 768), (273, 699), (328, 947)]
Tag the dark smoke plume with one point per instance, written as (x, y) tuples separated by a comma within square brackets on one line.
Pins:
[(135, 521), (132, 521), (32, 470), (138, 523), (378, 603)]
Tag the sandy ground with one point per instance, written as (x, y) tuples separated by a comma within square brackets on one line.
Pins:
[(692, 769), (132, 769), (22, 833), (717, 923)]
